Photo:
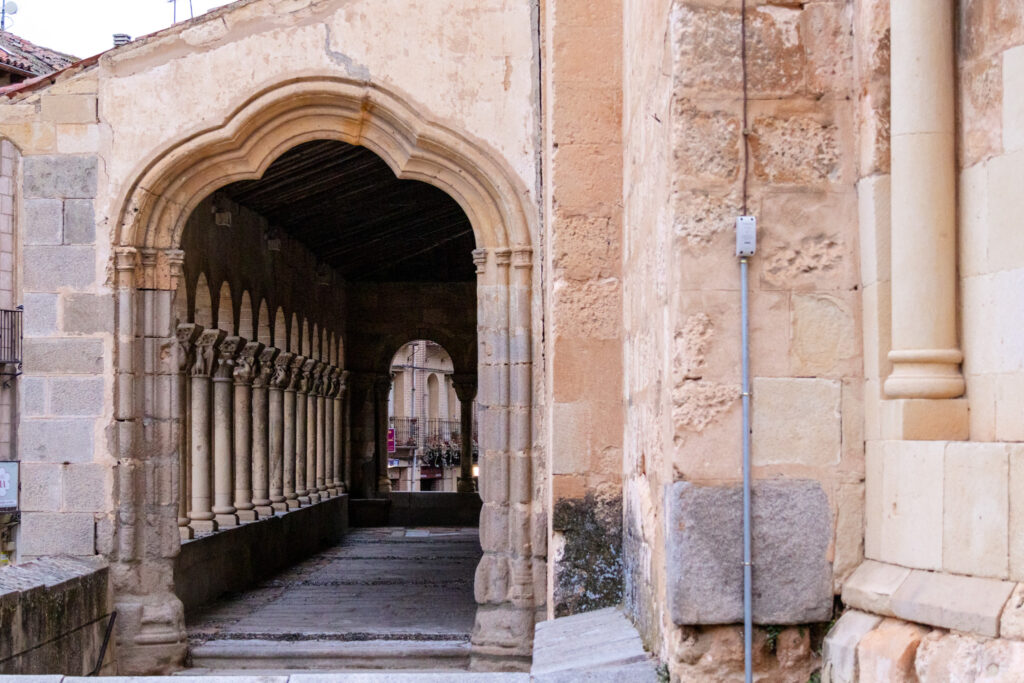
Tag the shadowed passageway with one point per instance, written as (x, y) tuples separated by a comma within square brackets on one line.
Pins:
[(384, 598)]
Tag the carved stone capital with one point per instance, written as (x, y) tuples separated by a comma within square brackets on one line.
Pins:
[(317, 378), (266, 366), (342, 384), (187, 334), (465, 386), (207, 346), (282, 371), (296, 373), (522, 257), (503, 256), (247, 363), (480, 260), (126, 261), (226, 358)]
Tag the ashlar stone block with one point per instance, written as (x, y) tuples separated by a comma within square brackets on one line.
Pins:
[(40, 317), (886, 654), (796, 421), (47, 269), (63, 355), (60, 176), (975, 514), (57, 441), (792, 531), (871, 586), (911, 503), (960, 603), (87, 313), (839, 651), (43, 221), (1011, 622), (46, 533), (79, 222), (1016, 489), (1013, 98), (74, 396)]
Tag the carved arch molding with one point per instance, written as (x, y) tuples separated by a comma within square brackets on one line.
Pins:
[(154, 208)]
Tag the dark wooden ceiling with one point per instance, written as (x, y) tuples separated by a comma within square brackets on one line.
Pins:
[(345, 204)]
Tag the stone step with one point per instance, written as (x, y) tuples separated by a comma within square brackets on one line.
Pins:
[(337, 655), (594, 646)]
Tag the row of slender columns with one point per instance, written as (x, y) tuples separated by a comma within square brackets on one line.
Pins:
[(261, 430)]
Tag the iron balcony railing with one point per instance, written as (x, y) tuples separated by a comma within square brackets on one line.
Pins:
[(412, 432), (10, 340)]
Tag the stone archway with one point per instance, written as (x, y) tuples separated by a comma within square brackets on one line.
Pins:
[(154, 209)]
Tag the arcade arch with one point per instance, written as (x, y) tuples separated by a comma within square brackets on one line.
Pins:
[(150, 264)]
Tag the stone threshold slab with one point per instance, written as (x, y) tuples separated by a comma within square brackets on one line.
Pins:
[(968, 604)]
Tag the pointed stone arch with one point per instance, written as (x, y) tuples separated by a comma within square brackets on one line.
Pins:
[(280, 327), (153, 209)]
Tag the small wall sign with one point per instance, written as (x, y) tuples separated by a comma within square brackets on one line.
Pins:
[(9, 486)]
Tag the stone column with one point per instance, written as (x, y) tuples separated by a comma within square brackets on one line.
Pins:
[(338, 437), (302, 429), (292, 401), (223, 424), (261, 434), (465, 389), (246, 367), (381, 389), (330, 389), (187, 335), (277, 391), (207, 346), (321, 430), (315, 373), (925, 351)]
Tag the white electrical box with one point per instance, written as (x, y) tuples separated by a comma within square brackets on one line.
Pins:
[(746, 235)]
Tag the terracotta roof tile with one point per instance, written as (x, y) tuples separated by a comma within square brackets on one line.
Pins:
[(18, 54)]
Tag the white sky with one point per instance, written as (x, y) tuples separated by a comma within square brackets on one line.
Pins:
[(86, 27)]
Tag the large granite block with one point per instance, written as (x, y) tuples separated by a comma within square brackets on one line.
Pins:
[(792, 530)]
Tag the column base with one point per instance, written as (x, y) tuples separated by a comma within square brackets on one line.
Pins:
[(203, 525), (332, 492), (925, 419), (383, 485), (224, 520), (304, 500), (267, 510), (314, 498), (293, 504), (466, 485), (186, 533), (247, 515)]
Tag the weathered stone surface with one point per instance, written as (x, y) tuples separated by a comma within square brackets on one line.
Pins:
[(886, 654), (40, 317), (839, 651), (48, 269), (47, 533), (589, 643), (76, 397), (589, 557), (976, 510), (1011, 622), (43, 222), (87, 313), (68, 355), (795, 151), (66, 440), (962, 603), (871, 586), (60, 176), (709, 144), (796, 421), (948, 657), (79, 222), (824, 337), (791, 534)]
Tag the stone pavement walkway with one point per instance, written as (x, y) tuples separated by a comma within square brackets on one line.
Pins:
[(391, 597)]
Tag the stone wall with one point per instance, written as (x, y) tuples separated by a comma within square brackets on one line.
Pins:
[(683, 189), (55, 613), (582, 43)]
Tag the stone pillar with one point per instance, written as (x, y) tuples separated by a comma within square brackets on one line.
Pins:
[(292, 430), (223, 424), (381, 389), (330, 473), (925, 351), (201, 514), (465, 389), (302, 428), (340, 461), (316, 369), (246, 368), (277, 391), (321, 431), (261, 434), (187, 335)]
